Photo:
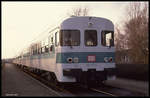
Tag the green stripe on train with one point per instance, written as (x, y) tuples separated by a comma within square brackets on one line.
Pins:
[(62, 57)]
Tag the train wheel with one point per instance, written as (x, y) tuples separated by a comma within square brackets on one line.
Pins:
[(38, 72), (55, 81), (91, 84), (101, 83), (49, 77)]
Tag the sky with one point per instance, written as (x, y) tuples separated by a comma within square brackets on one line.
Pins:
[(22, 22)]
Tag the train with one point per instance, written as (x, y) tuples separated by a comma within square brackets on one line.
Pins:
[(79, 50)]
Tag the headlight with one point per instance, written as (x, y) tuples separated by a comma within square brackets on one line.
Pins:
[(76, 60), (106, 59), (110, 59), (69, 60)]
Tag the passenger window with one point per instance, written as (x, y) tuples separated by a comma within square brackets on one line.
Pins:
[(46, 48), (52, 40), (56, 39), (90, 37), (52, 48), (43, 49), (39, 50)]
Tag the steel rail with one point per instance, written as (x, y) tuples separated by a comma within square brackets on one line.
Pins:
[(104, 92)]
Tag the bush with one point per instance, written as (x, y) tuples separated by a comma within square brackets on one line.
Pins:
[(133, 71)]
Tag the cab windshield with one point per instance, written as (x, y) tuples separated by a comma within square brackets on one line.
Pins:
[(90, 37), (107, 38), (69, 37)]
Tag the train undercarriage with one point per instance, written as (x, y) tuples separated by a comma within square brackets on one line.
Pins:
[(88, 78)]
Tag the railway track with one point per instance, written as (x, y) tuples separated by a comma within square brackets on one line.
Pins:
[(72, 89), (81, 90), (104, 92)]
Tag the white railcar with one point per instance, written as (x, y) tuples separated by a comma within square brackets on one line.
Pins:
[(81, 49)]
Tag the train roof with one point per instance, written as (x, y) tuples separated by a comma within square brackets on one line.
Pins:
[(80, 22), (77, 17)]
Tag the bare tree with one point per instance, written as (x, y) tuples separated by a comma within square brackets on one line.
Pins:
[(85, 11), (120, 44), (79, 12), (120, 39), (136, 32)]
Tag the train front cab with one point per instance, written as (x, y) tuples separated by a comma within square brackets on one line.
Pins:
[(87, 64), (87, 42)]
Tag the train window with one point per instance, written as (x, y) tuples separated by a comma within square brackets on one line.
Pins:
[(51, 48), (51, 39), (35, 51), (107, 38), (43, 49), (90, 37), (46, 48), (56, 39), (69, 37), (39, 50)]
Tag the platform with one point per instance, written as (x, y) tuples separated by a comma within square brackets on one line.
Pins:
[(17, 83)]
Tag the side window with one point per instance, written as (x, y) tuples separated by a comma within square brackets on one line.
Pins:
[(52, 40), (107, 38), (46, 48), (56, 38), (90, 37), (52, 48), (43, 49), (49, 40), (39, 50)]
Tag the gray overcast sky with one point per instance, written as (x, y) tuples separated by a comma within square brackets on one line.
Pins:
[(24, 21)]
